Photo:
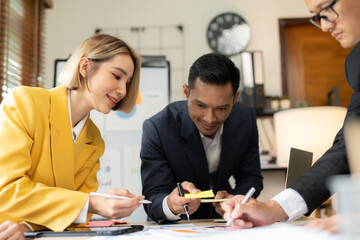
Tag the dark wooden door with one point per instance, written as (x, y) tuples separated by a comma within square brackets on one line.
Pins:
[(312, 64)]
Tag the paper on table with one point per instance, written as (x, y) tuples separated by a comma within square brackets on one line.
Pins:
[(203, 194), (273, 232)]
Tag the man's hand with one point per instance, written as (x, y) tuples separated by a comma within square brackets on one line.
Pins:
[(253, 213), (220, 195), (176, 203), (13, 230)]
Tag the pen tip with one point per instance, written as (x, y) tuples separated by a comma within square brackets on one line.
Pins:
[(188, 217)]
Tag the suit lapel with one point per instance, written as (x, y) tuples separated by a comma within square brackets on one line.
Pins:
[(83, 147), (226, 160), (61, 139), (194, 150)]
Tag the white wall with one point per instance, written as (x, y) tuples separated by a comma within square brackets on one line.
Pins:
[(71, 21)]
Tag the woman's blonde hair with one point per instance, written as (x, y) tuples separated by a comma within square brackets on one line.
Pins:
[(100, 48)]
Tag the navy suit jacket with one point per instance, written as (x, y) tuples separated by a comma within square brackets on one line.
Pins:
[(312, 185), (172, 151)]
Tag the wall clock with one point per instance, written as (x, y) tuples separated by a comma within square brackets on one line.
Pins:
[(228, 34)]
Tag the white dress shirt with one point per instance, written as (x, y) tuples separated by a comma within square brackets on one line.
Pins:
[(82, 217), (292, 203), (212, 147)]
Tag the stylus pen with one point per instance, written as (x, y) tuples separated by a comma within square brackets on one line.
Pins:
[(116, 197), (185, 206), (245, 199)]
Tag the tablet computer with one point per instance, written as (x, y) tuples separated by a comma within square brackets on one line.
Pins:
[(95, 231)]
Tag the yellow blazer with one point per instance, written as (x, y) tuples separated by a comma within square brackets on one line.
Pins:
[(44, 178)]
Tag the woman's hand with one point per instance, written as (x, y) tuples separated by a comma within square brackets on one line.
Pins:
[(115, 208), (13, 231)]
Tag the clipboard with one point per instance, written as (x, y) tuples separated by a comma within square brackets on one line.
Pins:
[(96, 231)]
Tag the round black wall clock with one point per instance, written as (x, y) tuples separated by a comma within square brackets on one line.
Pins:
[(228, 34)]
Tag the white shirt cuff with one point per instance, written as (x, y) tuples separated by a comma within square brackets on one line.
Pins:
[(292, 203), (82, 217), (168, 213)]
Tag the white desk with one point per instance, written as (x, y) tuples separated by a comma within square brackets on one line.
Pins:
[(278, 231)]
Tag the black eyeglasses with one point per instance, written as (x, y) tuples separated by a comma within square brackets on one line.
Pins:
[(327, 14)]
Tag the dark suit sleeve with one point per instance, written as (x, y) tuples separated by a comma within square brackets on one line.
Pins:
[(248, 174), (156, 174), (312, 185)]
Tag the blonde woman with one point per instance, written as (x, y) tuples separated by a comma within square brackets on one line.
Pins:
[(50, 148)]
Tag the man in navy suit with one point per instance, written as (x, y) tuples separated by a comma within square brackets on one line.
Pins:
[(201, 143), (341, 19)]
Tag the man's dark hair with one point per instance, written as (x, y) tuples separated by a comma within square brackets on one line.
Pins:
[(214, 68)]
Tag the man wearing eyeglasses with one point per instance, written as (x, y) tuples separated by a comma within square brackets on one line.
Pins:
[(341, 18)]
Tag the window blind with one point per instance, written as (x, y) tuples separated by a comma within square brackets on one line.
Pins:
[(21, 43)]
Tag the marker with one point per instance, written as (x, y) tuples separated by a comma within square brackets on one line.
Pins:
[(245, 199), (182, 195), (116, 197)]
